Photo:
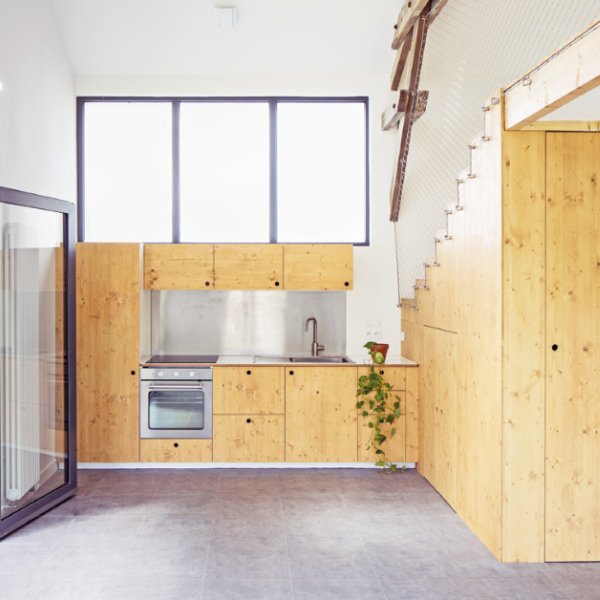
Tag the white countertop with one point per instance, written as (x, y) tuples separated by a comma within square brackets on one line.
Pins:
[(250, 359)]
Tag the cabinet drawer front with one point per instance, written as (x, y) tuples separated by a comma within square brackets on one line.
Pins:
[(248, 438), (396, 376), (394, 447), (176, 450), (178, 266), (248, 267), (251, 390)]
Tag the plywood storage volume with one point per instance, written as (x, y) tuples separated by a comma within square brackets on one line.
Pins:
[(108, 352), (573, 347)]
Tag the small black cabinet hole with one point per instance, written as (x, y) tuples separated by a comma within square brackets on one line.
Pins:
[(554, 347), (248, 420), (176, 445)]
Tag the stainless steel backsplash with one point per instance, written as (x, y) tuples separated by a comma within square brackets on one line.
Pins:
[(242, 322)]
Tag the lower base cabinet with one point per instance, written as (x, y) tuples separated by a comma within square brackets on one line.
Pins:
[(248, 438), (321, 415), (176, 450)]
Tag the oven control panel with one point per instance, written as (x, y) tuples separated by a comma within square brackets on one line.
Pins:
[(176, 373)]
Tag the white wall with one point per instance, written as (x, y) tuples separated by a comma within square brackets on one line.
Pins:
[(374, 296), (37, 103)]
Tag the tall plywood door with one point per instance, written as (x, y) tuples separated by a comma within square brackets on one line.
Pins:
[(573, 352), (108, 322)]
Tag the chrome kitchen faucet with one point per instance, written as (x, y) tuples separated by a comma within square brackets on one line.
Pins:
[(316, 347)]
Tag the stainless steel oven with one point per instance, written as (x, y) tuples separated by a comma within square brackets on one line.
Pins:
[(176, 402)]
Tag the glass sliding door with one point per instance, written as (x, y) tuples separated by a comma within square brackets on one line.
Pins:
[(37, 424)]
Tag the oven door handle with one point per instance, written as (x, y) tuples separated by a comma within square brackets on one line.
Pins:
[(174, 388)]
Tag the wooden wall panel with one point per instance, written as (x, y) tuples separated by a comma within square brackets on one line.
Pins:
[(438, 411), (573, 370), (523, 159), (412, 414), (108, 316)]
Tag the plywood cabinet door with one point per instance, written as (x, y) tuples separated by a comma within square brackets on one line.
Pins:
[(321, 419), (248, 438), (248, 390), (318, 266), (573, 347), (108, 321), (248, 267), (178, 266)]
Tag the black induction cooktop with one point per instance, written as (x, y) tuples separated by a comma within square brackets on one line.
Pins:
[(183, 358)]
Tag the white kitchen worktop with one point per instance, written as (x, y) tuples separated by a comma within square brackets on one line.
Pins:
[(249, 359)]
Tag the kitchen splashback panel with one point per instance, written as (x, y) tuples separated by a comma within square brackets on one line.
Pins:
[(243, 322)]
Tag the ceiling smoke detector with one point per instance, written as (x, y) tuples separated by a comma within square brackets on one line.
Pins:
[(225, 16)]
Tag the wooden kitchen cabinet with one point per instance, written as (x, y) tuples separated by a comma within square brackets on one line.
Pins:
[(318, 266), (248, 390), (396, 376), (248, 438), (178, 266), (321, 419), (175, 450), (108, 350), (248, 414), (248, 267), (394, 447)]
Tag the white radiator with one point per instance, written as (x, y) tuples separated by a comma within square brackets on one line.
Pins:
[(20, 387)]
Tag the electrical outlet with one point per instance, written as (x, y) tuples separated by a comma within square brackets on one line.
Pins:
[(373, 328)]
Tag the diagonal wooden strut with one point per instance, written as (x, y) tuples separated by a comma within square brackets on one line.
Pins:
[(419, 35)]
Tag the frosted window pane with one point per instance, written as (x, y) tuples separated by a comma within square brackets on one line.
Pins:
[(128, 165), (321, 172), (224, 156)]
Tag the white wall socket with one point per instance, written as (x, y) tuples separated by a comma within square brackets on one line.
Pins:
[(373, 329)]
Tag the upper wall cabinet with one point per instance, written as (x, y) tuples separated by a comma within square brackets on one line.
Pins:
[(178, 266), (318, 266), (248, 267)]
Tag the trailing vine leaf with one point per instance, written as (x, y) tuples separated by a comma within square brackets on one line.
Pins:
[(383, 409)]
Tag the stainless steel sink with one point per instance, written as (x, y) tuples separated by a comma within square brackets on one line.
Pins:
[(302, 359), (321, 359)]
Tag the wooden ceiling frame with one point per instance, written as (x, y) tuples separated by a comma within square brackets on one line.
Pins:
[(566, 74), (409, 42)]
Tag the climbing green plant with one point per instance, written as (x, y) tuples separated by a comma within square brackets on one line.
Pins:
[(380, 407)]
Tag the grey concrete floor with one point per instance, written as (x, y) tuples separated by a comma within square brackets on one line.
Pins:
[(266, 533)]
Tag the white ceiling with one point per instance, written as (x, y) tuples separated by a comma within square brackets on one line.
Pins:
[(272, 37)]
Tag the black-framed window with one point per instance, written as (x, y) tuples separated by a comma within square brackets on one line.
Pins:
[(224, 169)]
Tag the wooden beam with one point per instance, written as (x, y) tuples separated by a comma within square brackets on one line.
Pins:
[(408, 16), (569, 72), (400, 61), (392, 115), (415, 73), (563, 126)]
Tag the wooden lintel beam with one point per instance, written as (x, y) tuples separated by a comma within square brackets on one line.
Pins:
[(563, 126), (400, 61), (392, 115), (408, 16), (566, 74)]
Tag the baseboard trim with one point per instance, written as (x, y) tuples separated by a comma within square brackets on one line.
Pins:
[(236, 465)]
